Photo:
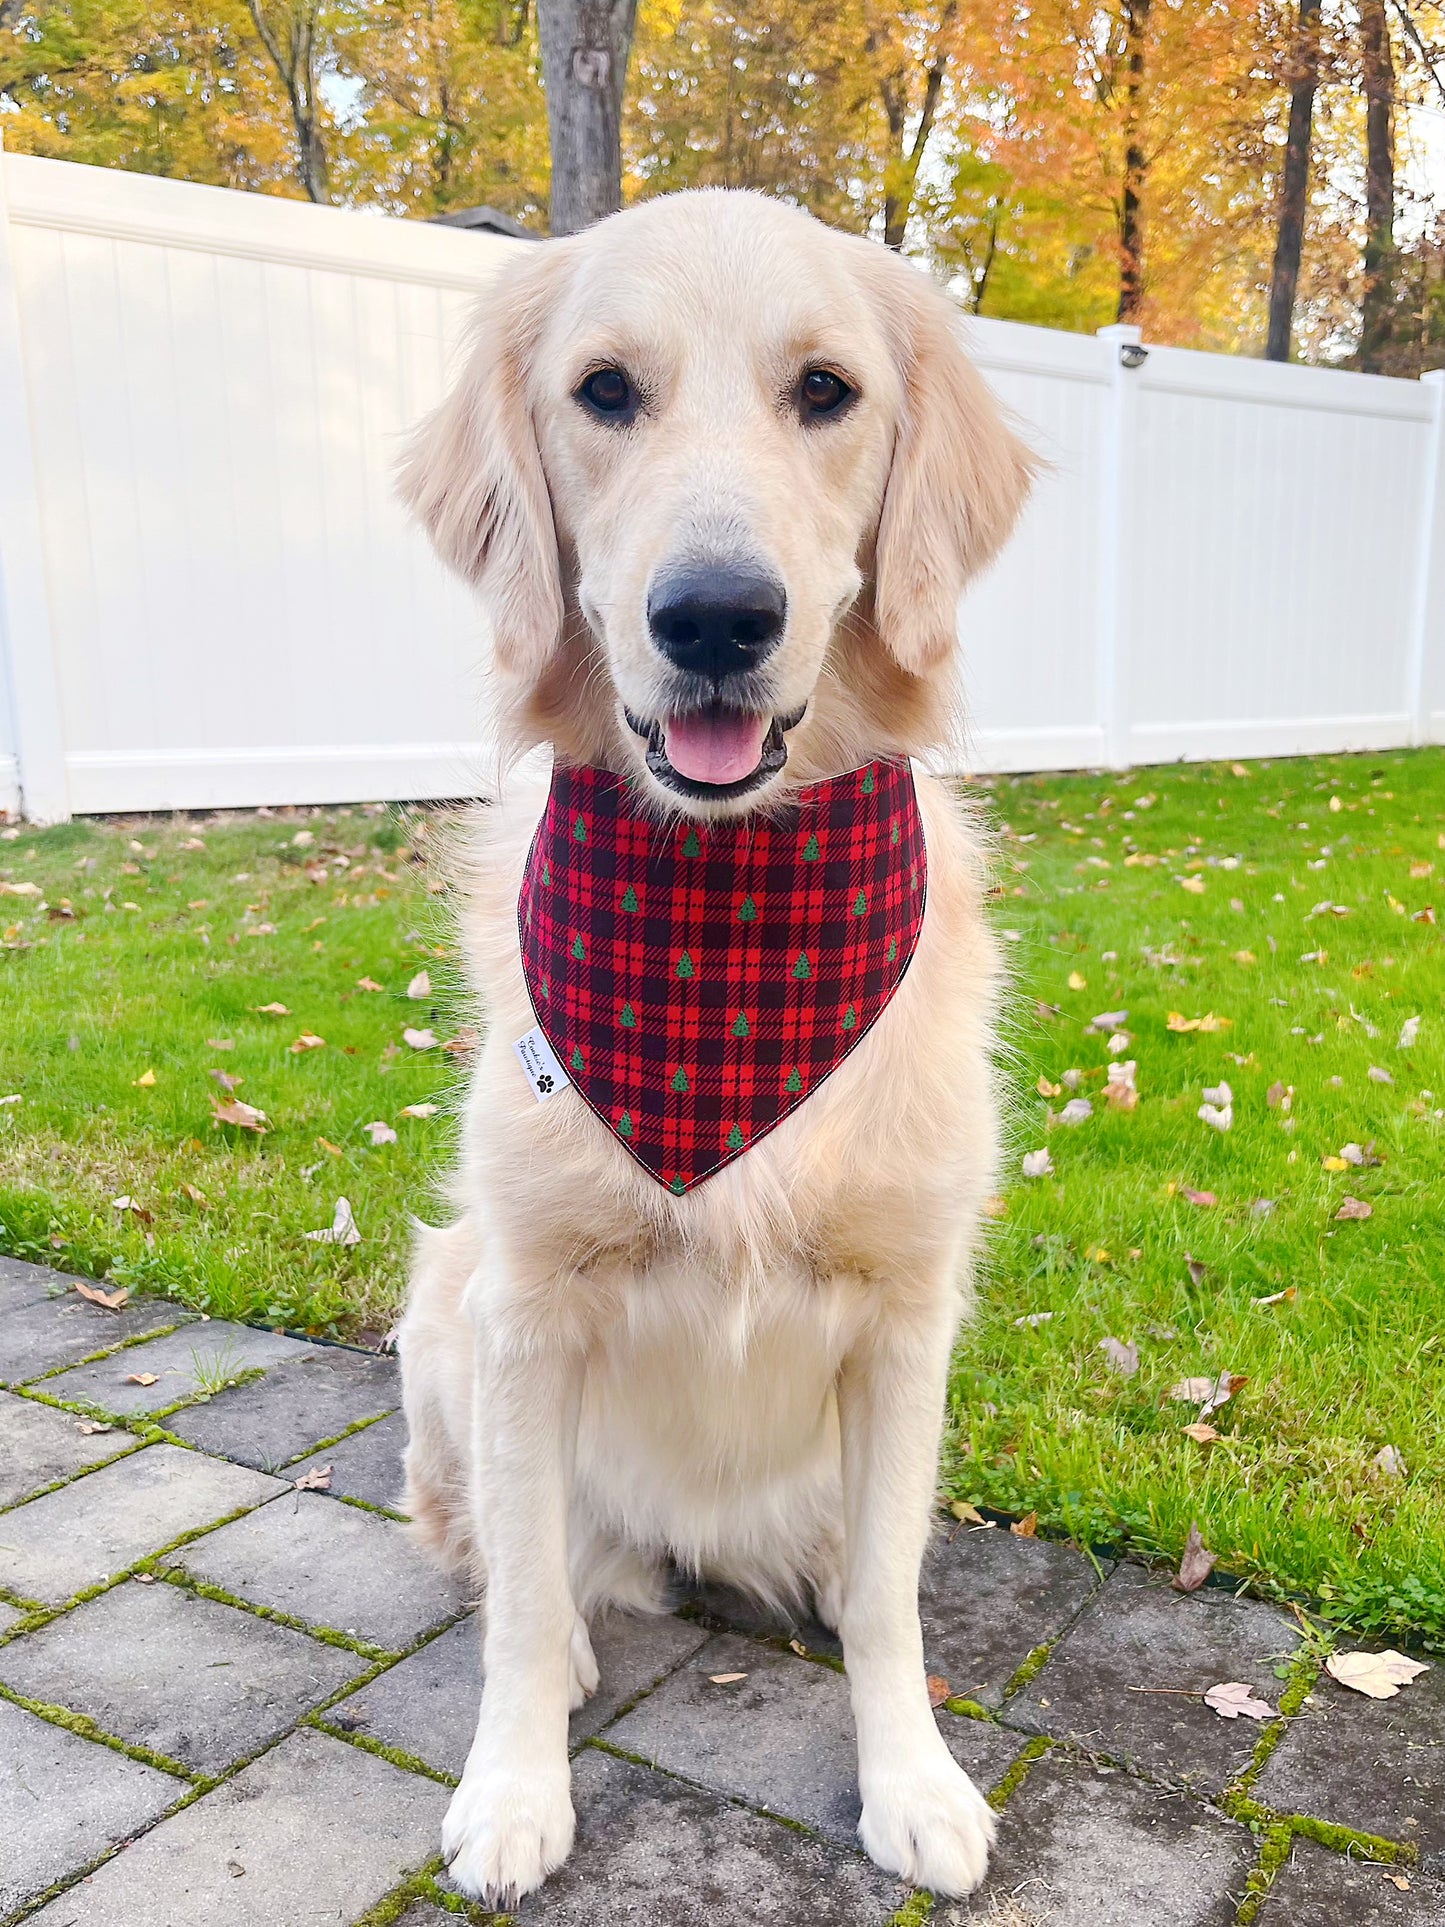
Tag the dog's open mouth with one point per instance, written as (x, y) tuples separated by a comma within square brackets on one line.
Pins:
[(716, 751)]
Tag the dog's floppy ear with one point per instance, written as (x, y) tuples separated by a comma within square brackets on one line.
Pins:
[(959, 475), (472, 474)]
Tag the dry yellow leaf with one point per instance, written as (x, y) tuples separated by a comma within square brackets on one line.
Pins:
[(1077, 981)]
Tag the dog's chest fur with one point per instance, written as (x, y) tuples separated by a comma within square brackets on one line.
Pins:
[(870, 1181)]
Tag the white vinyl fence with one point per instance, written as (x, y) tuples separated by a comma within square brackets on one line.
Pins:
[(208, 595)]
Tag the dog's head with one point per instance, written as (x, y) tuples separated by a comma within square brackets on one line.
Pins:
[(721, 474)]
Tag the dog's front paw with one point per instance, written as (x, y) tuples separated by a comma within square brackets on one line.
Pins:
[(929, 1824), (506, 1830)]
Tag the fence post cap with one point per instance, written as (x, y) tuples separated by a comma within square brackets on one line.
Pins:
[(1120, 331)]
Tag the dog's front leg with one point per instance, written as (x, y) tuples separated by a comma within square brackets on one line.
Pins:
[(510, 1822), (922, 1816)]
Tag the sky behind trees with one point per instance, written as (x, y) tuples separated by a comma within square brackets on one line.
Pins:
[(1065, 162)]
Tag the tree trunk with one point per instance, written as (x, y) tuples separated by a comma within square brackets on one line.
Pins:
[(1136, 163), (1294, 184), (291, 48), (585, 45), (901, 177), (1379, 78)]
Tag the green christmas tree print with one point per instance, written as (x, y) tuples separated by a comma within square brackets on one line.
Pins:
[(897, 837), (736, 1139), (860, 904), (579, 950), (893, 950), (802, 969), (868, 785), (546, 873), (625, 1126), (692, 847), (685, 966), (742, 1028), (629, 898), (811, 850), (579, 830), (577, 1063), (628, 1019), (678, 1185), (850, 1018), (747, 911), (795, 1081), (679, 1081)]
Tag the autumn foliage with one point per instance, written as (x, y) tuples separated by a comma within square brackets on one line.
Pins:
[(1065, 162)]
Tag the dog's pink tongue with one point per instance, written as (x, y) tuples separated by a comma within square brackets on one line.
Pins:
[(715, 746)]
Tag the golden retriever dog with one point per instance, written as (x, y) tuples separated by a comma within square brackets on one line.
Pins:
[(711, 404)]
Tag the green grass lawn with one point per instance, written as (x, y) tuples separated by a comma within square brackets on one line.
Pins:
[(172, 946)]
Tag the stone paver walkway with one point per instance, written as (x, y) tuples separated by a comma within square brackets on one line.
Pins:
[(224, 1700)]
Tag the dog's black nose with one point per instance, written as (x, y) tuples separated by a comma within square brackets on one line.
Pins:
[(714, 621)]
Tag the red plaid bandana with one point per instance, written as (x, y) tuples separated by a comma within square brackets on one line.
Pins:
[(698, 981)]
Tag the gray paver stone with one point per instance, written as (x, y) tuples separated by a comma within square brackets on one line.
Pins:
[(1377, 1765), (427, 1705), (1081, 1847), (24, 1284), (330, 1564), (189, 1678), (781, 1737), (988, 1598), (185, 1364), (294, 1408), (41, 1336), (665, 1855), (1138, 1633), (39, 1445), (365, 1466), (1317, 1888), (56, 1546), (315, 1830), (64, 1802)]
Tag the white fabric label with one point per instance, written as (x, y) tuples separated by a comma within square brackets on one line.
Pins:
[(540, 1063)]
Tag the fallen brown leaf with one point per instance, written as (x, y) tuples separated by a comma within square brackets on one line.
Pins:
[(1378, 1675), (1191, 1196), (1196, 1565), (244, 1116), (1027, 1527), (1203, 1433), (1355, 1208), (111, 1300), (726, 1679), (1233, 1697), (318, 1480), (938, 1689), (140, 1378)]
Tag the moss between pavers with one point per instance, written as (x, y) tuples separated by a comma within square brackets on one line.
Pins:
[(1273, 1855), (915, 1911), (1034, 1664), (1008, 1786), (350, 1432), (85, 1728), (105, 1351), (328, 1635), (393, 1755)]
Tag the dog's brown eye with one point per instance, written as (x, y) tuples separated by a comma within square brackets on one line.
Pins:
[(822, 392), (607, 391)]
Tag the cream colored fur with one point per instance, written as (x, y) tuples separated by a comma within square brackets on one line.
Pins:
[(748, 1380)]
